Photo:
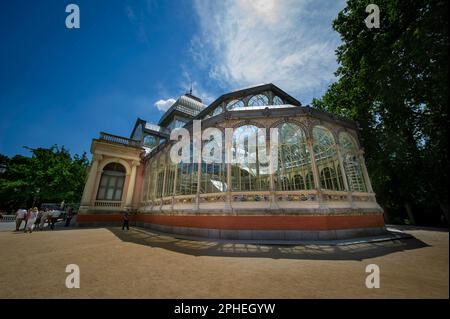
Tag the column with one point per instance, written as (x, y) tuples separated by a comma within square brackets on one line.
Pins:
[(174, 190), (341, 164), (364, 171), (316, 175), (273, 198), (164, 186), (314, 165), (131, 182), (228, 142), (344, 175), (90, 183), (228, 196), (197, 145), (199, 180)]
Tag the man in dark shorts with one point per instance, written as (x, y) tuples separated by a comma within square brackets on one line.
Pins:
[(125, 221), (69, 216)]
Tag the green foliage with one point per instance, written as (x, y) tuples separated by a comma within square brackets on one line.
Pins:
[(49, 175), (394, 82)]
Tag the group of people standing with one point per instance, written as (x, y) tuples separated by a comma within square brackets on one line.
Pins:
[(35, 219)]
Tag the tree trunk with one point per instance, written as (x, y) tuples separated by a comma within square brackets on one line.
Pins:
[(410, 213)]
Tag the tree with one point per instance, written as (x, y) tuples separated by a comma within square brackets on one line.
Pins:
[(394, 82), (49, 175)]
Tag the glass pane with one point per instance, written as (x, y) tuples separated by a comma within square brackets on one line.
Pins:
[(217, 111), (104, 181), (112, 181), (326, 158), (109, 193), (119, 182), (118, 194), (101, 193), (277, 100), (294, 160), (258, 100), (235, 104)]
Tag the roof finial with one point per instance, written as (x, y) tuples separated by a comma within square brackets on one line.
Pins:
[(190, 90)]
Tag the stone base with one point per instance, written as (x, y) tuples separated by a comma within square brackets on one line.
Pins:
[(267, 234), (262, 227)]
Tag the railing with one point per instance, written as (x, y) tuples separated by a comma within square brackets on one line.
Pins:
[(7, 218), (115, 139), (107, 204)]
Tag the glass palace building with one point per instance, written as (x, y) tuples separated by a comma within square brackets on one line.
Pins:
[(318, 189)]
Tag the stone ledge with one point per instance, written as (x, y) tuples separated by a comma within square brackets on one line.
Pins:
[(267, 212)]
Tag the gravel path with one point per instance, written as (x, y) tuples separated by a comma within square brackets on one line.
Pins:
[(144, 264)]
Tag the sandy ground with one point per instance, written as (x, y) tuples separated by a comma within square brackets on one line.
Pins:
[(145, 264)]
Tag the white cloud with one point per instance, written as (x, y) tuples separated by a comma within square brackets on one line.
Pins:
[(164, 105), (287, 42)]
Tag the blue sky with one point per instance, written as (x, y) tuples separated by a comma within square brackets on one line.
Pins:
[(130, 59)]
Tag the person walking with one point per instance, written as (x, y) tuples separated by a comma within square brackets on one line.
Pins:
[(44, 218), (54, 218), (125, 221), (31, 220), (38, 220), (20, 216), (27, 214), (69, 215)]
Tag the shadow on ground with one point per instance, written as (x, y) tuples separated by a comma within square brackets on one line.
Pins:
[(414, 227), (222, 248)]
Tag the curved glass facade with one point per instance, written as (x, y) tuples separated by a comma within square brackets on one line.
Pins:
[(294, 171), (265, 168)]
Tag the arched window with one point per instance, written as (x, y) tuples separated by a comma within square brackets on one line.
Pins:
[(293, 157), (235, 104), (352, 165), (247, 174), (326, 158), (277, 100), (258, 100), (111, 182)]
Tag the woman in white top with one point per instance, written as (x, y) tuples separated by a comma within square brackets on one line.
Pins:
[(31, 220)]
